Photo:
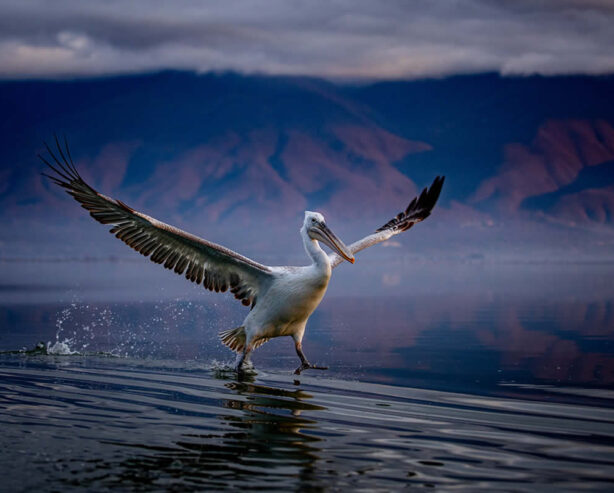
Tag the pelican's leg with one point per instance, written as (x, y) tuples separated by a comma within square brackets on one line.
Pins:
[(305, 365), (243, 359)]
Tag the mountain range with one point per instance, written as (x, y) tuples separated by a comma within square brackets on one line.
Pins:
[(237, 159)]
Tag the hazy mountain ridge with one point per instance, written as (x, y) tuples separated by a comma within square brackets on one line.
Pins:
[(515, 139), (561, 150), (235, 153)]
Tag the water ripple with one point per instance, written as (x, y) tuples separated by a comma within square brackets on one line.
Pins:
[(102, 423)]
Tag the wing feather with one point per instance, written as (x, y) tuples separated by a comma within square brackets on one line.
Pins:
[(215, 267), (418, 210)]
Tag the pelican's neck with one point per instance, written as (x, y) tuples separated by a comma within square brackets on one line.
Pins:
[(315, 252)]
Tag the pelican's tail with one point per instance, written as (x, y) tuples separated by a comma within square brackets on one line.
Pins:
[(235, 339)]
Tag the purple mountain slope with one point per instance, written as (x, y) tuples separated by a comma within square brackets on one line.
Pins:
[(228, 157)]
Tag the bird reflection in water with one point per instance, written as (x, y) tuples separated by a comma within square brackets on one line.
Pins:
[(267, 442)]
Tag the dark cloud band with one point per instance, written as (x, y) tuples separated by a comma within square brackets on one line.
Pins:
[(337, 39)]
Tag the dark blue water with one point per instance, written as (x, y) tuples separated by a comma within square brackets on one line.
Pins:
[(498, 378)]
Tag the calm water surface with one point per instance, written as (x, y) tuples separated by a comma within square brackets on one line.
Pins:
[(496, 383)]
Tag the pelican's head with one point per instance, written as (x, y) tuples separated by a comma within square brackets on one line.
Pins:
[(316, 229)]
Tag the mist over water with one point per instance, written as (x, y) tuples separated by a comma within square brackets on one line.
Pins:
[(458, 375), (482, 326)]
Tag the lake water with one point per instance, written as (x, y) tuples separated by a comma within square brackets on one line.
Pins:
[(454, 378)]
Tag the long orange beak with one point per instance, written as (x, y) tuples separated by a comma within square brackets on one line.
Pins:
[(326, 236)]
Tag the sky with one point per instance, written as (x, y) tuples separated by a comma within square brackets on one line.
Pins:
[(337, 39)]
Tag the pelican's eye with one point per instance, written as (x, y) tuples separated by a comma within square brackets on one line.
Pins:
[(313, 220)]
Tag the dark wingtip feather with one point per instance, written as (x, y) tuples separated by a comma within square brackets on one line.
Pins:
[(55, 180), (69, 162), (418, 209), (63, 168), (59, 173), (65, 173)]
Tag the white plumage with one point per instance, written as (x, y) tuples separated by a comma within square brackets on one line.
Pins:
[(281, 298)]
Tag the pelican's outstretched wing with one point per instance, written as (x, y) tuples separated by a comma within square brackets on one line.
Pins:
[(216, 267), (418, 210)]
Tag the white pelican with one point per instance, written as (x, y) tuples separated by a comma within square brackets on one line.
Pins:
[(281, 298)]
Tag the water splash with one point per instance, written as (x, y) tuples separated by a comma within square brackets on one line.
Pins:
[(61, 348), (163, 330)]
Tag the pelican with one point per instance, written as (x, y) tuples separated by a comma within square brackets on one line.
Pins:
[(281, 298)]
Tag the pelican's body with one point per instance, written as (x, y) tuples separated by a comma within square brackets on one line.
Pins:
[(289, 297), (281, 298), (294, 294)]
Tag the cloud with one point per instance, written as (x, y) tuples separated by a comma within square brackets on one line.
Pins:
[(334, 39)]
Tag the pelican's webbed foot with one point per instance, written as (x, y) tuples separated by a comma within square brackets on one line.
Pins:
[(308, 366), (305, 365)]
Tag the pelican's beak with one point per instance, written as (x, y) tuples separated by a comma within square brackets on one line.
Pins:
[(329, 238)]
